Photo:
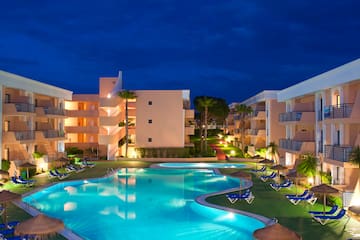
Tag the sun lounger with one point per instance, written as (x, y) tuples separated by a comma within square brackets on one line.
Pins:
[(323, 219), (264, 178), (87, 164), (277, 187), (306, 192), (258, 170), (330, 212), (21, 182), (56, 174), (8, 231), (247, 196), (9, 225), (310, 198)]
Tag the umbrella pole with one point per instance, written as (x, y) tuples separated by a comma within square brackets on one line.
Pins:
[(324, 203)]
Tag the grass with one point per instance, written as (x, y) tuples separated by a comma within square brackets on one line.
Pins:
[(268, 203)]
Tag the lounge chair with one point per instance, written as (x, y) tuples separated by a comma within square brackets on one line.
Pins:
[(287, 183), (258, 170), (87, 164), (72, 168), (323, 219), (264, 178), (306, 192), (310, 198), (247, 196), (9, 224), (7, 231), (23, 180), (330, 212), (56, 174), (18, 181)]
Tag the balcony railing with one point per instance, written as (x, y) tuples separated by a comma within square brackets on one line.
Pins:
[(338, 111), (53, 134), (24, 135), (54, 111), (24, 107), (338, 153), (290, 116), (290, 144)]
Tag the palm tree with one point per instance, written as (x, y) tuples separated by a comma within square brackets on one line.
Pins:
[(243, 111), (308, 165), (206, 102), (355, 158), (273, 150), (126, 94)]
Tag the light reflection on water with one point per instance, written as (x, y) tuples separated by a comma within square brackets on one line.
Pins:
[(148, 200)]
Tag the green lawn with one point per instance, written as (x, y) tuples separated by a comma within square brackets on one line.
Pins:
[(267, 202)]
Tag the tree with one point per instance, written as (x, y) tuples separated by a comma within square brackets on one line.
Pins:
[(203, 105), (308, 165), (126, 94), (355, 158), (243, 111), (272, 149)]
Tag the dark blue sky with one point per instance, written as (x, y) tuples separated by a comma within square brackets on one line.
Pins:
[(227, 49)]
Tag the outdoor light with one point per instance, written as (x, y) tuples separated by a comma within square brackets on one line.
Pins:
[(232, 152), (108, 95), (355, 199), (310, 180)]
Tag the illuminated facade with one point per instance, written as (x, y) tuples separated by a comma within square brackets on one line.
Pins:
[(32, 122)]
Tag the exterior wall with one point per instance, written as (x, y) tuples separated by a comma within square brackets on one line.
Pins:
[(32, 121), (166, 114)]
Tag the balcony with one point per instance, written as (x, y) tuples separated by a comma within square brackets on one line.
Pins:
[(54, 134), (18, 109), (82, 129), (190, 130), (82, 113), (54, 111), (338, 111), (337, 152), (297, 145), (25, 135), (297, 117), (110, 102)]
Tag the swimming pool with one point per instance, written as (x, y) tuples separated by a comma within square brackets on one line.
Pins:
[(145, 203), (200, 165)]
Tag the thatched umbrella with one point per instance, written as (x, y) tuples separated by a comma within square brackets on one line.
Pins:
[(278, 167), (4, 174), (296, 176), (276, 232), (27, 165), (266, 161), (5, 197), (241, 174), (40, 225), (324, 189), (63, 160)]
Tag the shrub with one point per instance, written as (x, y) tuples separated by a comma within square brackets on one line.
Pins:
[(5, 165)]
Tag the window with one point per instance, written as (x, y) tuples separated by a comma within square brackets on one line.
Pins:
[(149, 102), (150, 121), (338, 101), (7, 98), (149, 139)]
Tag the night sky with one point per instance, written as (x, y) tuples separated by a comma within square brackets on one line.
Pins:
[(227, 49)]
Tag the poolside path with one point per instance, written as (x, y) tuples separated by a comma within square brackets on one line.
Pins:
[(220, 155)]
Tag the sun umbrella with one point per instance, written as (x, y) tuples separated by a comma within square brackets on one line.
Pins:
[(39, 225), (324, 189), (27, 165), (295, 176), (278, 167), (5, 197), (241, 174), (63, 160), (266, 161), (4, 174), (276, 232)]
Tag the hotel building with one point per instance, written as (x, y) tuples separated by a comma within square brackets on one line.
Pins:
[(323, 117), (32, 120), (157, 119)]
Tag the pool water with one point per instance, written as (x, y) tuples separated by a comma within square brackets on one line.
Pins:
[(145, 204), (200, 165)]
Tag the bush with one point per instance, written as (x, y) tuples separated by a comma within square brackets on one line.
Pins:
[(5, 165)]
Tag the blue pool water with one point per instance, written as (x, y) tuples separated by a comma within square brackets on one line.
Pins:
[(145, 204), (200, 165)]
